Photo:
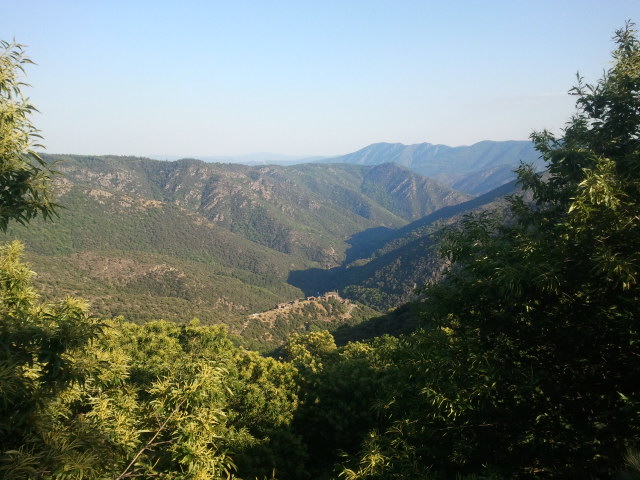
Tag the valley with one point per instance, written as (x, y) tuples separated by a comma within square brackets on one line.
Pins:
[(177, 240), (399, 312)]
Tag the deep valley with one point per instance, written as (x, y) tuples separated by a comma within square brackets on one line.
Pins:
[(150, 239)]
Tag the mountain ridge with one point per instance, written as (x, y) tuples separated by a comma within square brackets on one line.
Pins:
[(190, 239), (473, 169), (384, 266)]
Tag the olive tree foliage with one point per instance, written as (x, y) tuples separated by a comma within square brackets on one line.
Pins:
[(40, 343), (187, 403), (41, 351), (24, 177), (540, 310), (159, 400)]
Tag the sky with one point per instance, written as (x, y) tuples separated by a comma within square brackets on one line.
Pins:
[(301, 78)]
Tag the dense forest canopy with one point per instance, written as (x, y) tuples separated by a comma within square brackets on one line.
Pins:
[(526, 364)]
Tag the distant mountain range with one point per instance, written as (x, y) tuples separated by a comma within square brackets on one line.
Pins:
[(260, 158), (473, 169), (181, 239), (216, 241)]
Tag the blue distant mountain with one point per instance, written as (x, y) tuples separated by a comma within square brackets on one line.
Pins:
[(262, 158), (473, 169)]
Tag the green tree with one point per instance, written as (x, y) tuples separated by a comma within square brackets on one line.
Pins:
[(24, 177), (40, 348), (181, 401), (541, 310), (337, 388), (39, 342), (308, 351), (552, 295)]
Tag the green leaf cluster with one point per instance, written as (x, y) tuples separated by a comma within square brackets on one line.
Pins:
[(82, 399), (530, 367), (24, 175), (527, 364)]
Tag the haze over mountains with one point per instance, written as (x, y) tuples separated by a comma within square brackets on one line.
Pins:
[(259, 158), (473, 169), (183, 239)]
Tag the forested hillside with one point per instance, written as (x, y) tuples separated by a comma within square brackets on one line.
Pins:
[(523, 362), (219, 242), (178, 240), (383, 266)]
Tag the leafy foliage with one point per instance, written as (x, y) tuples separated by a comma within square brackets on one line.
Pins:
[(24, 176), (526, 365), (158, 400), (541, 363), (40, 346)]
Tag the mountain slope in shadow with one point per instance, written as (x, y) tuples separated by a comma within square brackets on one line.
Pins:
[(384, 266)]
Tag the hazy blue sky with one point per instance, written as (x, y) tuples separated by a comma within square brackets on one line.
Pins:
[(197, 78)]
